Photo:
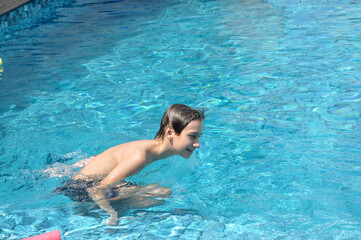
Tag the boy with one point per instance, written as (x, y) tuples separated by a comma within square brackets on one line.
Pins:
[(102, 178)]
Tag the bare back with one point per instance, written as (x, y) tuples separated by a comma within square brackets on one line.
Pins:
[(104, 163)]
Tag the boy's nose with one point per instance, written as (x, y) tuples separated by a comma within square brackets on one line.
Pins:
[(196, 144)]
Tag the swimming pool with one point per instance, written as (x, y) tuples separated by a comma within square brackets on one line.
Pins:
[(280, 151)]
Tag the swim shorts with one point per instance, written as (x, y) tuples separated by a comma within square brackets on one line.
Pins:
[(77, 189)]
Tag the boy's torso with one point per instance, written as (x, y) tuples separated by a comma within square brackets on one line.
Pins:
[(101, 165)]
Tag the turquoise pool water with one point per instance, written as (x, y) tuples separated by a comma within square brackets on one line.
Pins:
[(280, 151)]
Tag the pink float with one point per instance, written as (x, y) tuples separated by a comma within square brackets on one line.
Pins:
[(54, 235)]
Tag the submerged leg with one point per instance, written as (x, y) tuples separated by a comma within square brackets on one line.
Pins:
[(60, 170), (83, 162), (141, 197), (152, 190)]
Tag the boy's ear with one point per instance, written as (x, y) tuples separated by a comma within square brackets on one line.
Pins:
[(169, 132)]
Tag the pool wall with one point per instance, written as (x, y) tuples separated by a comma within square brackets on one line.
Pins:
[(14, 11)]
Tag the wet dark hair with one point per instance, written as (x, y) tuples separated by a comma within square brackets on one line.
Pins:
[(178, 116)]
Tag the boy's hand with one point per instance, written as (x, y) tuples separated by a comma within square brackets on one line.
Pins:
[(113, 220), (97, 194)]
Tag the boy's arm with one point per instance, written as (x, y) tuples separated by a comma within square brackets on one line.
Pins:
[(120, 172)]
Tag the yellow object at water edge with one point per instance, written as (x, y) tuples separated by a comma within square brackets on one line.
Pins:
[(1, 62)]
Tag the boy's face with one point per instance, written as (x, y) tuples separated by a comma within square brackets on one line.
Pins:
[(188, 140)]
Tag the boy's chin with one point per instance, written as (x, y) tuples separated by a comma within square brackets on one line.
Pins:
[(186, 155)]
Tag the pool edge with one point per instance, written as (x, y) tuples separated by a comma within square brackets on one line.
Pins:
[(13, 11)]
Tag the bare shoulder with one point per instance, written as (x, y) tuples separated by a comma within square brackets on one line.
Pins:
[(136, 150)]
